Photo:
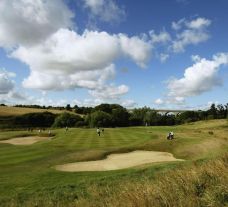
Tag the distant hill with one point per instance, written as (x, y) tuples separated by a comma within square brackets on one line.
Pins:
[(13, 111)]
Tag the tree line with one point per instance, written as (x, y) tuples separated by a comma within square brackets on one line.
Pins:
[(112, 115)]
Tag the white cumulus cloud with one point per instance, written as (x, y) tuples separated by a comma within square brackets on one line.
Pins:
[(198, 23), (79, 79), (67, 60), (190, 33), (105, 10), (109, 92), (162, 37), (200, 77), (27, 22)]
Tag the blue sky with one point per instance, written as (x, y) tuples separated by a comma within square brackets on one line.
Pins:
[(156, 53)]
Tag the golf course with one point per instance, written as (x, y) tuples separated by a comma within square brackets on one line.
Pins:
[(32, 173)]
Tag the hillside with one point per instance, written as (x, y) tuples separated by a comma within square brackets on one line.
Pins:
[(13, 111)]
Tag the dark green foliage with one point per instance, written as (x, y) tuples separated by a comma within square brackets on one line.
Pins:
[(108, 108), (120, 117), (68, 108), (112, 115), (44, 119), (82, 110), (99, 119), (66, 119), (137, 116), (80, 124), (108, 115), (187, 116)]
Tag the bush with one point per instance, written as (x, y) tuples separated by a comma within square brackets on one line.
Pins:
[(66, 119), (80, 124), (99, 119), (45, 119)]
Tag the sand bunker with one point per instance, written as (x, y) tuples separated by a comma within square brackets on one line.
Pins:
[(119, 161), (24, 140)]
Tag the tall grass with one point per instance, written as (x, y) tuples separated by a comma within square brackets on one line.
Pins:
[(196, 185), (202, 184)]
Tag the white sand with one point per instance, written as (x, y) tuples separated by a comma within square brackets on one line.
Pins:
[(24, 140), (119, 161)]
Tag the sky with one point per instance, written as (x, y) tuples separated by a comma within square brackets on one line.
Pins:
[(157, 53)]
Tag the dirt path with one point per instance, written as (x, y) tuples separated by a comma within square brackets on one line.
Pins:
[(24, 140), (119, 161)]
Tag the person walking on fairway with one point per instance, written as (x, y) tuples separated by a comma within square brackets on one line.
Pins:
[(98, 132), (172, 135)]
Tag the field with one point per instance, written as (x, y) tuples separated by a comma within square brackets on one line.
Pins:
[(28, 176), (14, 111)]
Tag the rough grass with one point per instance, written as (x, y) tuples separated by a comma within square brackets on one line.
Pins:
[(14, 111), (27, 176), (202, 184)]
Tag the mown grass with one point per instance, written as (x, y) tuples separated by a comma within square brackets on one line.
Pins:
[(27, 176)]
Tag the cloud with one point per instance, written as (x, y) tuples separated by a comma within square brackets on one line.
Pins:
[(6, 84), (178, 25), (163, 57), (109, 92), (58, 57), (66, 52), (27, 22), (79, 79), (162, 37), (137, 49), (67, 60), (128, 104), (169, 101), (199, 78), (159, 101), (193, 32), (198, 23), (105, 10)]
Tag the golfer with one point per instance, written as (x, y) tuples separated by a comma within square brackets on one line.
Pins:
[(98, 132)]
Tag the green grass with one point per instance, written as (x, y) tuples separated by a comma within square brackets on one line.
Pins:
[(27, 175)]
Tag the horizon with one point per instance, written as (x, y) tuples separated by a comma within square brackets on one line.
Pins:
[(160, 54)]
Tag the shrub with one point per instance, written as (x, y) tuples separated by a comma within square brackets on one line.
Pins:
[(45, 119), (66, 119)]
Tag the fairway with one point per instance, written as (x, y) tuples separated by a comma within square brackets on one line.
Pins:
[(29, 170)]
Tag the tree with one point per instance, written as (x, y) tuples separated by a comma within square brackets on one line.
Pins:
[(221, 111), (45, 119), (66, 119), (137, 116), (212, 112), (120, 117), (68, 108), (99, 119), (187, 116)]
